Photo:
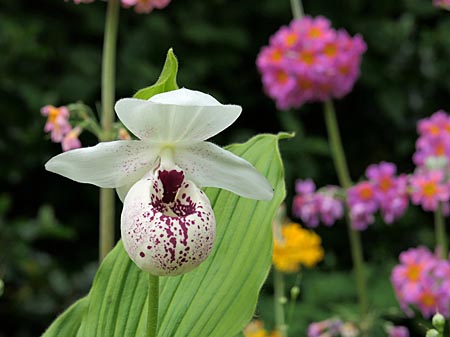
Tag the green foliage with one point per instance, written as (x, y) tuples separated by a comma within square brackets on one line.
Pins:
[(167, 81), (217, 298)]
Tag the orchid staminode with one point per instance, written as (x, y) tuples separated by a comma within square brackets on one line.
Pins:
[(167, 223)]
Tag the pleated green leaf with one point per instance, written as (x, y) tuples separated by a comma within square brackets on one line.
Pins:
[(218, 298)]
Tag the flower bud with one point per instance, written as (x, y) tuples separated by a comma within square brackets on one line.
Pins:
[(432, 333), (438, 321), (295, 291)]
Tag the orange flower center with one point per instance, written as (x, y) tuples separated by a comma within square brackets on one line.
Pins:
[(413, 272), (282, 77), (276, 55), (330, 49), (315, 32), (307, 57), (428, 300), (53, 114), (290, 39), (366, 192), (304, 84), (429, 189), (440, 149), (434, 130), (386, 184), (344, 70)]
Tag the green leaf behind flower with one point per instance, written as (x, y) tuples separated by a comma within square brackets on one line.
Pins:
[(167, 81), (218, 298)]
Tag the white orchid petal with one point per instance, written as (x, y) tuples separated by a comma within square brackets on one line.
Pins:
[(108, 164), (209, 165), (176, 123), (185, 96)]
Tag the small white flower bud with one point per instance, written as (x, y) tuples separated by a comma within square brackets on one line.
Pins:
[(295, 291), (438, 321), (282, 300), (432, 333)]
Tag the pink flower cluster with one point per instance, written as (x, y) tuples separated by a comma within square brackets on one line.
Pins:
[(422, 280), (59, 127), (309, 61), (332, 327), (430, 189), (145, 6), (434, 138), (398, 331), (314, 207), (442, 3), (383, 191), (140, 6)]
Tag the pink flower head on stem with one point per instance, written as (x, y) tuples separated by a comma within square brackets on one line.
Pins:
[(420, 281), (390, 190), (398, 331), (70, 140), (57, 122), (313, 207), (442, 3), (145, 6), (428, 189), (309, 61)]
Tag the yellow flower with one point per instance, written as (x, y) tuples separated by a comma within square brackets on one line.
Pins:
[(295, 246), (255, 329)]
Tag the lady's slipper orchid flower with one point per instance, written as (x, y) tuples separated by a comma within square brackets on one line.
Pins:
[(168, 225)]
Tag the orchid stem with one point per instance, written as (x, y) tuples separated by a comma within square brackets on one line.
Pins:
[(279, 302), (441, 235), (153, 304), (107, 196), (340, 164)]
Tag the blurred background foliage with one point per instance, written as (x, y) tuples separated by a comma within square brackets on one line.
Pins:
[(51, 53)]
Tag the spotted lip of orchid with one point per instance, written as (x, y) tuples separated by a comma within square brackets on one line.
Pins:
[(168, 225)]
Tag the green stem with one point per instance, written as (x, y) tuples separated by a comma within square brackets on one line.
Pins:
[(279, 301), (107, 196), (340, 164), (297, 9), (153, 304), (441, 235)]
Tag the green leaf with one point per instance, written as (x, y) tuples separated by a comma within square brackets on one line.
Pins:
[(219, 297), (167, 81), (68, 324)]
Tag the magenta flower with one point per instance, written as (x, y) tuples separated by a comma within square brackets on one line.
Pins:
[(145, 6), (421, 280), (398, 331), (313, 207), (71, 141), (330, 327), (57, 122), (442, 3), (434, 138), (81, 1), (309, 61), (390, 190), (428, 189)]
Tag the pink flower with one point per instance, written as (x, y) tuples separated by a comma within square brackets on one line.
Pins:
[(390, 190), (71, 140), (434, 138), (421, 280), (309, 61), (428, 189), (81, 1), (398, 331), (145, 6), (57, 122), (330, 327), (442, 3), (314, 207)]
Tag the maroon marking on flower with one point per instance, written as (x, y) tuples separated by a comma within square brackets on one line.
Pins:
[(171, 181)]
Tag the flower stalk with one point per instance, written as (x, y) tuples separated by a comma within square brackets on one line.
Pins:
[(441, 235), (107, 195), (345, 181), (297, 9), (279, 302), (153, 304)]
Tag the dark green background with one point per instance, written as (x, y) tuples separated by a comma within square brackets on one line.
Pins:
[(50, 53)]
